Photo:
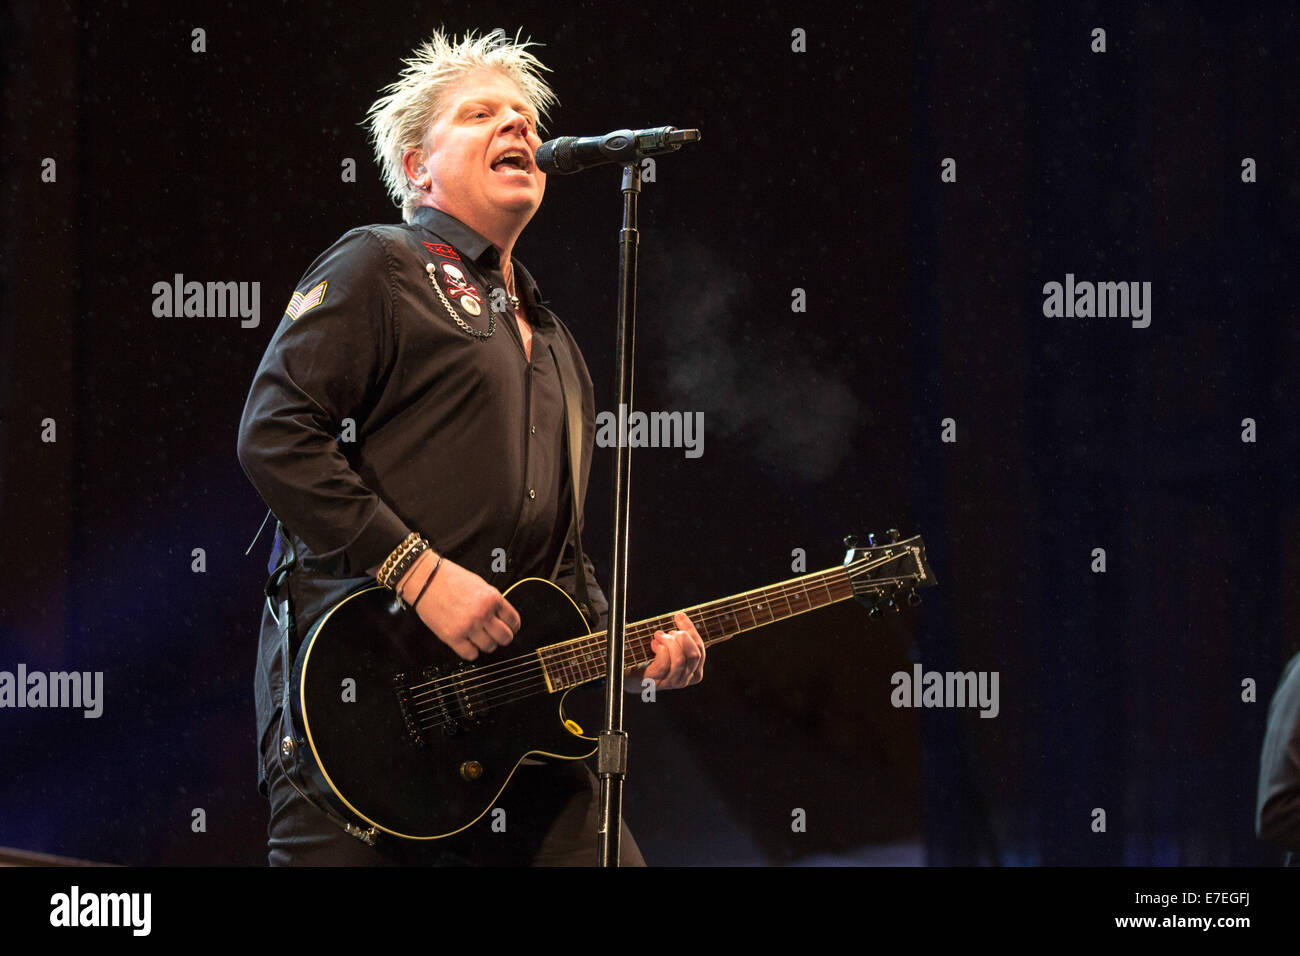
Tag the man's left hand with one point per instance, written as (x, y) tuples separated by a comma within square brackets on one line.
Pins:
[(679, 659)]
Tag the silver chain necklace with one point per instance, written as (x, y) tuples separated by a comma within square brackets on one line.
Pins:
[(430, 269)]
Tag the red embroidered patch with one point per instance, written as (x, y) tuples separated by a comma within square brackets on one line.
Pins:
[(438, 249)]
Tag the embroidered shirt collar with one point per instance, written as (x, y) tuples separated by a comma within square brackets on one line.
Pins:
[(450, 229)]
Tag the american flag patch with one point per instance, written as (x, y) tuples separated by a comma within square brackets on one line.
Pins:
[(301, 303)]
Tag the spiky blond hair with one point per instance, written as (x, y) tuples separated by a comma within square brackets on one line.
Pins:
[(401, 117)]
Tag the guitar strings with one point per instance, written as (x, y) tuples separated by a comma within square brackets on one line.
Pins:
[(481, 696), (528, 673), (595, 644), (639, 629), (593, 653), (485, 687), (588, 651)]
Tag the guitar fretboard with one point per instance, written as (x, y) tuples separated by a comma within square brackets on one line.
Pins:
[(582, 659)]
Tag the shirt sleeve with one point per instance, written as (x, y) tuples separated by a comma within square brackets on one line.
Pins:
[(1277, 811), (324, 365)]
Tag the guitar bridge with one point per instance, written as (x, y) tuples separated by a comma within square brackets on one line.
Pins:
[(413, 730)]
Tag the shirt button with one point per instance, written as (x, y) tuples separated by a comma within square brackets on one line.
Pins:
[(532, 493), (532, 429)]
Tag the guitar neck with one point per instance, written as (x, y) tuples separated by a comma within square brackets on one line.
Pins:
[(582, 659)]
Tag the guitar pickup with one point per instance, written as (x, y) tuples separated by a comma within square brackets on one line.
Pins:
[(425, 707)]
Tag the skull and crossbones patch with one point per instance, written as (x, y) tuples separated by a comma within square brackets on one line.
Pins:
[(460, 290)]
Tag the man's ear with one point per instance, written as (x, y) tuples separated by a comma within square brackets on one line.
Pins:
[(413, 164)]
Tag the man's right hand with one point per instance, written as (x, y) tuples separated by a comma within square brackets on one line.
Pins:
[(463, 611)]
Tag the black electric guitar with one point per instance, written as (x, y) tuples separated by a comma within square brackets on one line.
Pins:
[(396, 733)]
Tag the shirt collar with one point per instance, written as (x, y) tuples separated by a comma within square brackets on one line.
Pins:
[(480, 250)]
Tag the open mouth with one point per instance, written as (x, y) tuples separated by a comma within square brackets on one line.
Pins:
[(511, 161)]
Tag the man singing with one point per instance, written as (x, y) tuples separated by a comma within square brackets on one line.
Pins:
[(406, 425)]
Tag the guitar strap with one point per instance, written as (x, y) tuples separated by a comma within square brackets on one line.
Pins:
[(289, 742), (573, 430), (277, 589)]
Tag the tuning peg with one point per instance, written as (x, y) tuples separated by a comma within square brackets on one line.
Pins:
[(893, 535), (874, 613), (850, 541), (871, 541), (913, 599), (895, 606)]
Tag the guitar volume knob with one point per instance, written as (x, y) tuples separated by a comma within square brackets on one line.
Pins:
[(471, 770)]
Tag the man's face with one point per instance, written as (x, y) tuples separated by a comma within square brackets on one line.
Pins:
[(485, 121)]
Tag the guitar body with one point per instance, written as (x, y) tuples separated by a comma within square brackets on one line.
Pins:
[(399, 733)]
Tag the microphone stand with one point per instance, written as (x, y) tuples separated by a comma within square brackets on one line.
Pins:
[(568, 155), (611, 760)]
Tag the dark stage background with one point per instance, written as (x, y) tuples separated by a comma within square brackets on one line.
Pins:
[(819, 170)]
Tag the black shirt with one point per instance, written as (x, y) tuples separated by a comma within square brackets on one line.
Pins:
[(374, 413)]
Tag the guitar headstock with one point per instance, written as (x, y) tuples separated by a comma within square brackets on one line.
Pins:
[(884, 574)]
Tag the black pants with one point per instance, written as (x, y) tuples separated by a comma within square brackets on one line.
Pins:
[(552, 814)]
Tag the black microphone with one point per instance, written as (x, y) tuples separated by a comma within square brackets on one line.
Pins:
[(569, 154)]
